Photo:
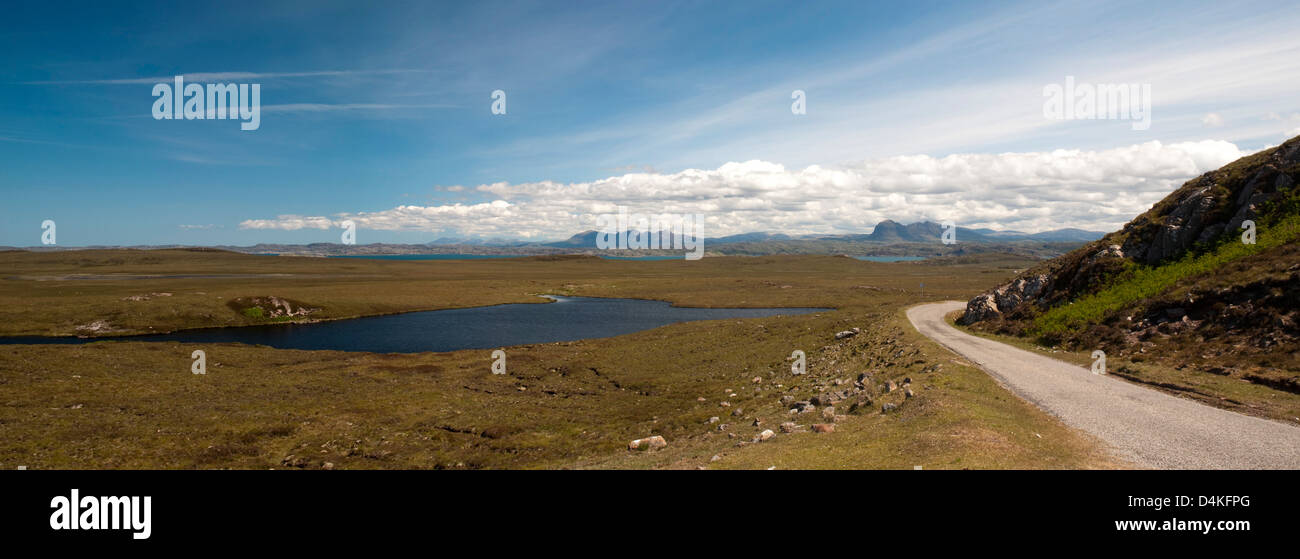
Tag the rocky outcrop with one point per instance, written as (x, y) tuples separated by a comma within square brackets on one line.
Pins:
[(270, 307), (1005, 298), (1202, 211)]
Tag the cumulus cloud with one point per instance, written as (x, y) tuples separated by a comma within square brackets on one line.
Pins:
[(1212, 120), (1029, 191)]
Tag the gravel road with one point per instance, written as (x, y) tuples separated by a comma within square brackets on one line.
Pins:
[(1146, 427)]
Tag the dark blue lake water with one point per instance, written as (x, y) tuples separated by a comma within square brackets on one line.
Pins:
[(566, 319)]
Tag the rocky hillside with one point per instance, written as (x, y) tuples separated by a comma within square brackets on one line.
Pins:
[(1179, 281)]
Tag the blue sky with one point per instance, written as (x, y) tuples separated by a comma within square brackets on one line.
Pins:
[(380, 112)]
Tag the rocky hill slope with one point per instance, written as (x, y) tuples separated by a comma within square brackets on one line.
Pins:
[(1180, 283)]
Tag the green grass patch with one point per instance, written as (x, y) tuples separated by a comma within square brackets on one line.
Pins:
[(1137, 282)]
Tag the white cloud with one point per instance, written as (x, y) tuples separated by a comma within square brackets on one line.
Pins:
[(1212, 120), (1031, 191)]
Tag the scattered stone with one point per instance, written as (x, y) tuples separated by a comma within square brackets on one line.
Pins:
[(758, 423), (907, 392), (715, 458), (757, 380), (145, 297), (725, 404), (828, 414), (766, 435), (714, 419), (888, 387), (327, 466), (845, 334), (649, 443), (888, 408), (787, 400), (788, 427), (823, 427), (737, 412), (824, 399), (722, 426), (96, 327)]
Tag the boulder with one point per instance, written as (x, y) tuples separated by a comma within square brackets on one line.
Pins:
[(655, 442)]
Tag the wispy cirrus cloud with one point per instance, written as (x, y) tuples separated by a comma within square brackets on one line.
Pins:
[(229, 76), (328, 107)]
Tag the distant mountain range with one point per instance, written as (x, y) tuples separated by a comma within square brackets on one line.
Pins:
[(889, 238), (887, 231)]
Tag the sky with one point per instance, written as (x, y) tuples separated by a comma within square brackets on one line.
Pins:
[(382, 113)]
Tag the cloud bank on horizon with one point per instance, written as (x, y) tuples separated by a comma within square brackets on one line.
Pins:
[(1032, 191)]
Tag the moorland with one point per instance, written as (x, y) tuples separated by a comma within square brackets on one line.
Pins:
[(888, 397)]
